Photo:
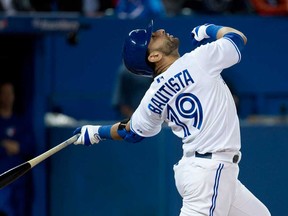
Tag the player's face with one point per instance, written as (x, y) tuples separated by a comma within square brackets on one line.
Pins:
[(163, 42)]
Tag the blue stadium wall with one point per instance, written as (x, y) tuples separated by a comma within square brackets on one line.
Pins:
[(80, 78), (124, 179)]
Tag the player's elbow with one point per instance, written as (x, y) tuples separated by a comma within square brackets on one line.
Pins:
[(244, 39), (239, 40), (129, 136)]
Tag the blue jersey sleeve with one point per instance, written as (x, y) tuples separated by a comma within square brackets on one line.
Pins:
[(237, 39)]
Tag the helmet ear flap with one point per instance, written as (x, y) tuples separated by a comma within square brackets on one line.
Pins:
[(135, 51)]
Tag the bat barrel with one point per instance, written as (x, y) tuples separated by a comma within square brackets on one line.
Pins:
[(13, 174)]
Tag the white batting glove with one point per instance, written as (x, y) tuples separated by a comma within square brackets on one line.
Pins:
[(199, 32), (88, 135)]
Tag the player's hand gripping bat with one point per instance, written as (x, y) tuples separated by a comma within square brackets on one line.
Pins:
[(11, 175)]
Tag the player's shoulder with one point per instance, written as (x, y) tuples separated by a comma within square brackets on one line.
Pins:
[(219, 46)]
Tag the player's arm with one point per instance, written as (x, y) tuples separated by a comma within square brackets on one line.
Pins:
[(228, 30), (223, 51), (215, 32), (91, 134)]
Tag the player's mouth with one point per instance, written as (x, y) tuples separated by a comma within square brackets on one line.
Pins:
[(171, 37)]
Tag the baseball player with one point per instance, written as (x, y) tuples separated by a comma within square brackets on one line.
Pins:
[(189, 95)]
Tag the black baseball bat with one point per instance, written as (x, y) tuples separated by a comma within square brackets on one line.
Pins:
[(11, 175)]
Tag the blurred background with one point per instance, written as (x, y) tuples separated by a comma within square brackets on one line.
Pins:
[(64, 59)]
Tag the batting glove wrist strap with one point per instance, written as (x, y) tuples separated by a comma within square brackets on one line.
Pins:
[(199, 32), (205, 31)]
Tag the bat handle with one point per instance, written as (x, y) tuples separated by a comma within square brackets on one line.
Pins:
[(33, 162)]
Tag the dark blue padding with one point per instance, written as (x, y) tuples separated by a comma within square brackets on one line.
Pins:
[(129, 136)]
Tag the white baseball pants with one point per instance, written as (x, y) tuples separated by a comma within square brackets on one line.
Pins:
[(211, 187)]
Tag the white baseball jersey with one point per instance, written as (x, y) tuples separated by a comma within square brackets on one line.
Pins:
[(193, 99)]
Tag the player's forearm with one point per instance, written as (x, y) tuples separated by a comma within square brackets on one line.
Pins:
[(119, 131), (225, 30), (114, 132)]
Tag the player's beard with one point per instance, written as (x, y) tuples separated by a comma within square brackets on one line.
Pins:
[(170, 47)]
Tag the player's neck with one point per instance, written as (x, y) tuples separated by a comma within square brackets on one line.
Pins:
[(164, 64)]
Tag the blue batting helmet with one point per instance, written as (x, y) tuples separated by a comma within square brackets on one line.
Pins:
[(135, 49)]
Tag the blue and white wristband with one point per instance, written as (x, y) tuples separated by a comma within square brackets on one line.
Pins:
[(212, 31), (104, 132)]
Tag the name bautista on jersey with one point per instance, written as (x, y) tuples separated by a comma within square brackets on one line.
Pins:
[(168, 90)]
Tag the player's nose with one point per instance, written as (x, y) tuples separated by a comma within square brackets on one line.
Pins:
[(160, 32)]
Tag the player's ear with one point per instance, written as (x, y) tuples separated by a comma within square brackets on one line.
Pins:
[(155, 56)]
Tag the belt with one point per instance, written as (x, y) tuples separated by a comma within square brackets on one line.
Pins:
[(225, 156)]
